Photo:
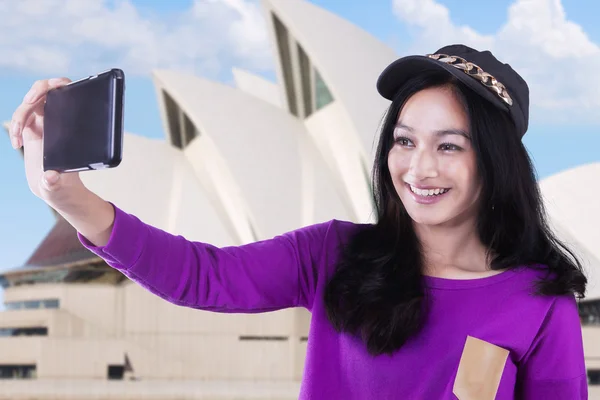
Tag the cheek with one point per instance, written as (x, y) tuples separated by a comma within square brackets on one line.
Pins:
[(463, 172), (397, 164)]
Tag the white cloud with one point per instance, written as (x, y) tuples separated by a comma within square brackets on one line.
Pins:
[(436, 25), (554, 55), (71, 37)]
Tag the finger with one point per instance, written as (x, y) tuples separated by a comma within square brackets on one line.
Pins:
[(58, 82), (23, 112), (37, 89), (33, 125), (50, 180), (22, 116), (15, 142), (31, 102), (40, 88)]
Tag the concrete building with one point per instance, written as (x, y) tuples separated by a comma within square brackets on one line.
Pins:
[(575, 219), (239, 164)]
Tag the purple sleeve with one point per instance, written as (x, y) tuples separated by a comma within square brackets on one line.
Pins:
[(554, 365), (262, 276)]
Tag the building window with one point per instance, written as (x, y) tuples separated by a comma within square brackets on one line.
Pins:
[(181, 128), (322, 94), (14, 305), (116, 372), (283, 46), (17, 371), (589, 312), (29, 331), (189, 130), (306, 81), (96, 271), (52, 303), (593, 377), (32, 304), (172, 112), (263, 338)]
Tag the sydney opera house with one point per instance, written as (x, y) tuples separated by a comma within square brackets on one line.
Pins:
[(238, 164)]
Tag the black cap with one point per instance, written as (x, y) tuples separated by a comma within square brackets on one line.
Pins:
[(479, 70)]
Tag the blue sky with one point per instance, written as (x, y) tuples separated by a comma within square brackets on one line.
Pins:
[(557, 140)]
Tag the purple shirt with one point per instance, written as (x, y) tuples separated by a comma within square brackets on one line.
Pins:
[(481, 337)]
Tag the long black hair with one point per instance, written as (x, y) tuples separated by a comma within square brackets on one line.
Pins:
[(377, 291)]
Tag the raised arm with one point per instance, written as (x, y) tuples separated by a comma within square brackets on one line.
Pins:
[(267, 275), (272, 274)]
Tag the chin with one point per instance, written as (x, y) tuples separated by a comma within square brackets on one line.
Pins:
[(428, 219), (428, 215)]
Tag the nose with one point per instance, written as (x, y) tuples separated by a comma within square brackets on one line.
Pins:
[(423, 165)]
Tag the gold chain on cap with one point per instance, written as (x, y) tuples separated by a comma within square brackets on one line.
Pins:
[(476, 72)]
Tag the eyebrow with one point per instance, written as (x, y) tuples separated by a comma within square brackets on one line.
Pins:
[(441, 132)]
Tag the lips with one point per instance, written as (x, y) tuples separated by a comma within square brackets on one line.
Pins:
[(427, 191), (427, 195)]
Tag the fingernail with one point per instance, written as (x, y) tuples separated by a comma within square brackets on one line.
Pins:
[(29, 96), (54, 81), (13, 142)]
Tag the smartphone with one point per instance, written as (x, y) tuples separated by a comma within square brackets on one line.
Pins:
[(83, 123)]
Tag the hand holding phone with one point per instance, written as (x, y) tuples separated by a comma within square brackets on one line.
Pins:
[(27, 130), (83, 123)]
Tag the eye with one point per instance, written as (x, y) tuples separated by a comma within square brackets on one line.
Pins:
[(403, 141), (449, 147)]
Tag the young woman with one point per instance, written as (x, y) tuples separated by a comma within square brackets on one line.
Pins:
[(459, 290)]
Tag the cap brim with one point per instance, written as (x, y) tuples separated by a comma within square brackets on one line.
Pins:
[(398, 72)]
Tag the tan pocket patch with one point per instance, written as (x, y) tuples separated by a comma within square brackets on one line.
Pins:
[(480, 370)]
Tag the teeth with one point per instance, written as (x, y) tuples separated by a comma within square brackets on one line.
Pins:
[(428, 192)]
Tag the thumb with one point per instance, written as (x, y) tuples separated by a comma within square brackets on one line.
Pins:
[(51, 180)]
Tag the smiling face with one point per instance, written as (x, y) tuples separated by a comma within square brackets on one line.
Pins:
[(432, 162)]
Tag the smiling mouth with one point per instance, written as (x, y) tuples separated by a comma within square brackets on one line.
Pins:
[(428, 192)]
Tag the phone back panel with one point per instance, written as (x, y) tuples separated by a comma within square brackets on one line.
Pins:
[(83, 124)]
